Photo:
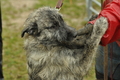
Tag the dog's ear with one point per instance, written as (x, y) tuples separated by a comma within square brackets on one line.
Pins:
[(31, 30)]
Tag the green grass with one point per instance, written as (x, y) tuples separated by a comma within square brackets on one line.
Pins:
[(14, 60)]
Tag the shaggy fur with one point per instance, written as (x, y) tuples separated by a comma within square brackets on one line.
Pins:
[(56, 51)]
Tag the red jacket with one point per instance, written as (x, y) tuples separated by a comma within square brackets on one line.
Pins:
[(112, 12)]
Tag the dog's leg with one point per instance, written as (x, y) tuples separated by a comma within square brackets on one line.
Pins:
[(92, 43)]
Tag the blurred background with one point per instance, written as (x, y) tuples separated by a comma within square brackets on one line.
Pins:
[(14, 13)]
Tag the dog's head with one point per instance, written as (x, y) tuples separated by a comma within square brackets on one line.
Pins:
[(47, 24)]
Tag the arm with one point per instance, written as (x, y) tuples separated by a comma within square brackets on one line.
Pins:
[(112, 12)]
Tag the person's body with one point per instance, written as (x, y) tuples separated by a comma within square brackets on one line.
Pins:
[(113, 62), (111, 10)]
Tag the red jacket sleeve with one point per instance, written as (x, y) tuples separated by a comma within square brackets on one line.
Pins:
[(112, 12), (105, 3)]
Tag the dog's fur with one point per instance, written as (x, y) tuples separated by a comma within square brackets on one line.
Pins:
[(56, 51)]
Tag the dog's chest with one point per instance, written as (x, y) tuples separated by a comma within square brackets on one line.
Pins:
[(56, 64)]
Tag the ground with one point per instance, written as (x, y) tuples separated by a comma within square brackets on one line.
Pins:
[(14, 13)]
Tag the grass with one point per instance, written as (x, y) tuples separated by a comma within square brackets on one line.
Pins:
[(14, 60), (14, 66)]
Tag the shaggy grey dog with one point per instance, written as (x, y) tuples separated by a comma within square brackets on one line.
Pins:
[(56, 51)]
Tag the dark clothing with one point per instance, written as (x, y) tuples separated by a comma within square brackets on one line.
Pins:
[(113, 61)]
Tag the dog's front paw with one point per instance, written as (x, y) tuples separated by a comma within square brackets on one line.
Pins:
[(101, 25)]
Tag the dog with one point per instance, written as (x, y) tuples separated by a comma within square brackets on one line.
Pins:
[(56, 51)]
